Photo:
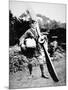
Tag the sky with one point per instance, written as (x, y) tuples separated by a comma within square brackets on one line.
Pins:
[(53, 11)]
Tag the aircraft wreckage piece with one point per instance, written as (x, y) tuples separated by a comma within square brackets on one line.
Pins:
[(49, 63)]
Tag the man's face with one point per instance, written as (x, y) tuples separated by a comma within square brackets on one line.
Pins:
[(34, 25)]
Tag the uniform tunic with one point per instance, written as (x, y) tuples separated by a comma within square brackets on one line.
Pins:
[(32, 52)]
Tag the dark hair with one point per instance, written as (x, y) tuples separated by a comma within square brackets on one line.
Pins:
[(32, 21)]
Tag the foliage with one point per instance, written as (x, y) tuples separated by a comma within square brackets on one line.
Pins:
[(17, 27)]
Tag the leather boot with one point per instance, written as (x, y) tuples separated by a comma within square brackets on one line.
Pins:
[(30, 68), (42, 71)]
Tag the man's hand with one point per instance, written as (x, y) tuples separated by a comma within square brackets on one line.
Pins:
[(41, 39)]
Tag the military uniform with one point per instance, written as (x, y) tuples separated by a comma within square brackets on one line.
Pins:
[(37, 51), (30, 52)]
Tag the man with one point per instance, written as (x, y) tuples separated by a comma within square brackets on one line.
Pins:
[(31, 47)]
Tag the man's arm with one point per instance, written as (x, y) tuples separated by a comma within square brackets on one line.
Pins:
[(23, 37)]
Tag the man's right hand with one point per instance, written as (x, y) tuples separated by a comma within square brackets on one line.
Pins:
[(41, 39)]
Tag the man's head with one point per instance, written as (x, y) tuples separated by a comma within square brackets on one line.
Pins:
[(34, 24)]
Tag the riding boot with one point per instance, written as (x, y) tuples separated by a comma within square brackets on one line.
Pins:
[(30, 68), (42, 71)]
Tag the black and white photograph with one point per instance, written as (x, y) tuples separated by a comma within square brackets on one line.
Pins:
[(37, 44)]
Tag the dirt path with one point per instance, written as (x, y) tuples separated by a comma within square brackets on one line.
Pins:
[(21, 79)]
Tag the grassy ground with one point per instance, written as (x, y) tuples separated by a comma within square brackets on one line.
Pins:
[(21, 79)]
